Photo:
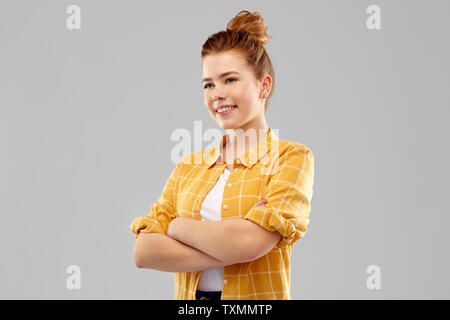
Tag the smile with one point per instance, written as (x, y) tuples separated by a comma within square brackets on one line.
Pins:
[(226, 111)]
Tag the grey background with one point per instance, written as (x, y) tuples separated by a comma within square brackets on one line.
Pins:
[(87, 116)]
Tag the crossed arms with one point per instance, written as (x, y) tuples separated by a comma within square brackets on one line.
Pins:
[(194, 245)]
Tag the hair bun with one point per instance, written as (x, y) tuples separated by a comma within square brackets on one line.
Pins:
[(252, 23)]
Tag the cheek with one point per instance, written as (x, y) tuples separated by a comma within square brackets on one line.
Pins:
[(207, 100), (242, 94)]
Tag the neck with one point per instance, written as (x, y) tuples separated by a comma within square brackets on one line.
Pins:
[(239, 141)]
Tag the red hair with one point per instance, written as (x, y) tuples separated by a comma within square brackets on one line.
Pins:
[(245, 34)]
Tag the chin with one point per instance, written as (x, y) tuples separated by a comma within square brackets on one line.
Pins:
[(228, 126)]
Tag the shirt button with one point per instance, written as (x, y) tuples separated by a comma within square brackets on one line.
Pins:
[(229, 184), (225, 206), (225, 281)]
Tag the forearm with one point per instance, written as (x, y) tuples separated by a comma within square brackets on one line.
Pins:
[(225, 240), (160, 252)]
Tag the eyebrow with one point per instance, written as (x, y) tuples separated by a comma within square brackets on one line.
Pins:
[(221, 76)]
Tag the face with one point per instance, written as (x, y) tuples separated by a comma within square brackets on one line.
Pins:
[(239, 88)]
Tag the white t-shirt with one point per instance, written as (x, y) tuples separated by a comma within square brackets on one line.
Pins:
[(211, 280)]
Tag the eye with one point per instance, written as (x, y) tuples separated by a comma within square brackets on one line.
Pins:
[(206, 85)]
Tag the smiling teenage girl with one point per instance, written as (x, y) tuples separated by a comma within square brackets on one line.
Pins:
[(226, 225)]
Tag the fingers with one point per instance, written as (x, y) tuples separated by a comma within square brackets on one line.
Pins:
[(260, 202)]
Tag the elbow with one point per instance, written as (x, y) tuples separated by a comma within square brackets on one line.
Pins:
[(252, 253), (245, 242), (249, 252), (260, 246), (247, 258), (243, 256), (143, 253), (143, 261), (138, 258)]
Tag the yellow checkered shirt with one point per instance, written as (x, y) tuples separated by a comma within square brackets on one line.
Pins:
[(278, 170)]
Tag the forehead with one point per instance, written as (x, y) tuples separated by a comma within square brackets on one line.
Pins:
[(215, 64)]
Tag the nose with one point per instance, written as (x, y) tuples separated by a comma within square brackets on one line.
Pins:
[(216, 100), (217, 97)]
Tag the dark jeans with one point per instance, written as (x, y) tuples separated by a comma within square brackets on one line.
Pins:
[(208, 295)]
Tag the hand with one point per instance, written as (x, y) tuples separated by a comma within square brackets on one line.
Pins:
[(260, 202), (172, 227)]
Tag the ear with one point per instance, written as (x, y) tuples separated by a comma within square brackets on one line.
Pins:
[(266, 86)]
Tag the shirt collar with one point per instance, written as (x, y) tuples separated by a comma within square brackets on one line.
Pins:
[(249, 158)]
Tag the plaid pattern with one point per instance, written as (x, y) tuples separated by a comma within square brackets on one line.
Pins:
[(278, 170)]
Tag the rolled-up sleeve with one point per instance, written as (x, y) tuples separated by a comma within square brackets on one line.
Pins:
[(288, 193), (161, 212)]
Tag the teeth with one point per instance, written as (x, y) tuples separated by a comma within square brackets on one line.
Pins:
[(224, 109)]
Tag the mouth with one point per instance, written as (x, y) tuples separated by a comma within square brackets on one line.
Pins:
[(225, 110)]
